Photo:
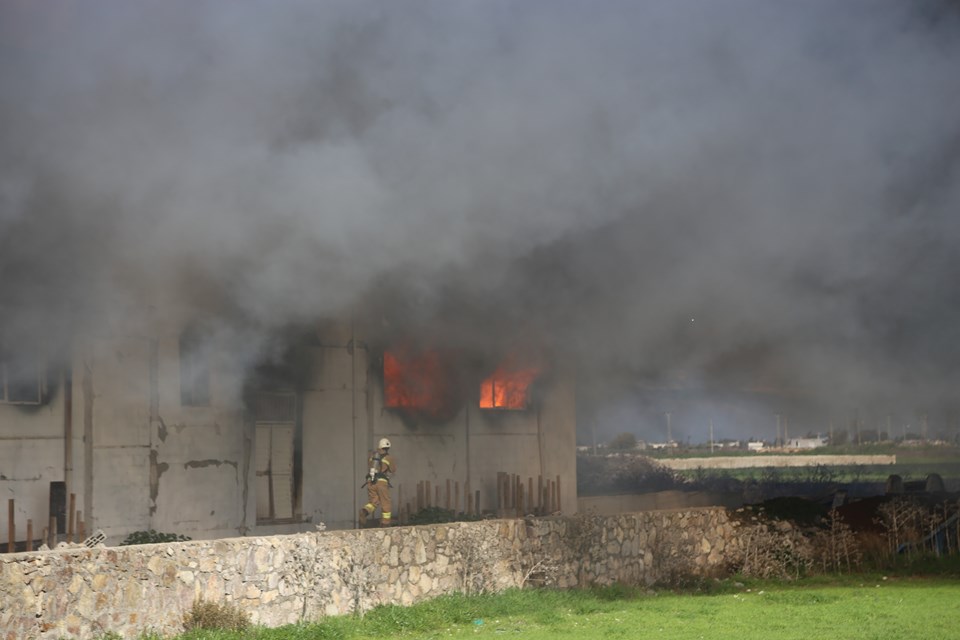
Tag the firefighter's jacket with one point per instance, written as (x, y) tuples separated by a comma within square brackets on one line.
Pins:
[(383, 465)]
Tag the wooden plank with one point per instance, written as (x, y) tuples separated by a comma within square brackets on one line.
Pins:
[(263, 497), (70, 513), (559, 502), (11, 527)]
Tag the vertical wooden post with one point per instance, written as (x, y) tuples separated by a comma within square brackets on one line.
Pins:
[(456, 496), (520, 500), (70, 512), (559, 503), (29, 534), (553, 497), (436, 490), (499, 491), (447, 504), (467, 502), (426, 493), (530, 505), (81, 527), (477, 502), (420, 496), (505, 480), (11, 527), (540, 505), (53, 532)]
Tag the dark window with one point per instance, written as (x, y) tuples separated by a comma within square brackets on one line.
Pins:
[(194, 368), (508, 387), (21, 376)]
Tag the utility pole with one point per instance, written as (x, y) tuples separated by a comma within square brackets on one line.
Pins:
[(776, 440), (711, 435), (669, 433)]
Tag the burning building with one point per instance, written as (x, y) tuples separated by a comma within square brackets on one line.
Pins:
[(157, 432), (597, 177)]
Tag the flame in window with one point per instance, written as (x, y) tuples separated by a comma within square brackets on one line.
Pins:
[(509, 386), (420, 382)]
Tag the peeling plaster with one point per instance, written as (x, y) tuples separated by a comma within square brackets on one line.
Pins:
[(162, 430), (157, 469), (200, 464)]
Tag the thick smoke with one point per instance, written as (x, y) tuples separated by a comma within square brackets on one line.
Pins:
[(715, 196)]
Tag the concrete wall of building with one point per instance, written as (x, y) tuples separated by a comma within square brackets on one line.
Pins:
[(142, 460), (31, 457), (477, 444)]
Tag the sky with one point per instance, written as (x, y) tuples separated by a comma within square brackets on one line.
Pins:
[(705, 196)]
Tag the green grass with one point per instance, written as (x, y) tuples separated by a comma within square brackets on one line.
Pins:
[(948, 471), (913, 463), (861, 607)]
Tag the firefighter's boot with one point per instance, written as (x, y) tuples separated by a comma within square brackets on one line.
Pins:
[(363, 518)]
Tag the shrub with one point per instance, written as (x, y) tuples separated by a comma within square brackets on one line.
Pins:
[(623, 442), (836, 548), (152, 537), (214, 615), (437, 515)]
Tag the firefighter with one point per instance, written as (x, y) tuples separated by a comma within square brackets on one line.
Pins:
[(382, 466)]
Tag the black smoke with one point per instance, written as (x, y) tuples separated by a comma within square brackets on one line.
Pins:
[(714, 197)]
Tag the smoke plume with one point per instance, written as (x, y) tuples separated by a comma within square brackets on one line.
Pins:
[(714, 196)]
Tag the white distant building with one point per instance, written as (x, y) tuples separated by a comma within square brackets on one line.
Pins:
[(754, 446), (806, 443), (662, 445)]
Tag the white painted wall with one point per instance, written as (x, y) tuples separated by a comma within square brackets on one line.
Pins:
[(31, 457)]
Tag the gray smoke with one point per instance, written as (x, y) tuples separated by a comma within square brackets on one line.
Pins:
[(718, 196)]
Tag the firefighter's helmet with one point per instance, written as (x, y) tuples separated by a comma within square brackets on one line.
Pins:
[(384, 443)]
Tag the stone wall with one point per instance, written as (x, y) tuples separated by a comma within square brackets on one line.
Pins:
[(84, 593)]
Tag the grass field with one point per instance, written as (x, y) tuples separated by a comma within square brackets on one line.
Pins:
[(913, 463), (849, 607), (639, 473)]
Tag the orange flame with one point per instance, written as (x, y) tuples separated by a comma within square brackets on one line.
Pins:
[(419, 381), (508, 387)]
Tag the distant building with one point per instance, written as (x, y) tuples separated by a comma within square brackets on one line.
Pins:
[(662, 445), (806, 443), (754, 446)]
